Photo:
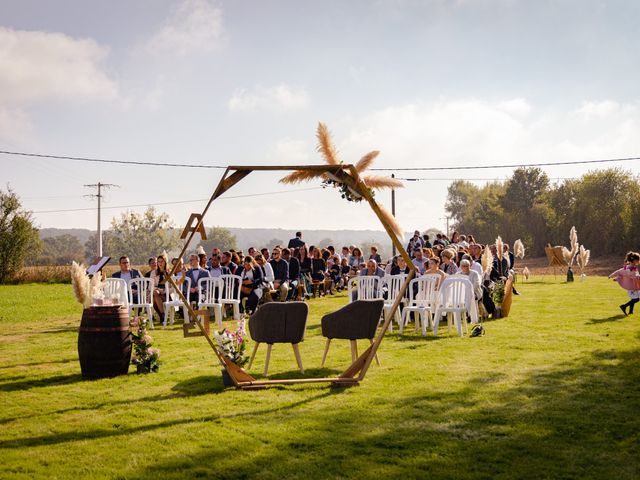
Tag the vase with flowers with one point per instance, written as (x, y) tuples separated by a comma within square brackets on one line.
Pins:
[(232, 346)]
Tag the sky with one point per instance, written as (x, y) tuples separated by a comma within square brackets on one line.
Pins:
[(432, 83)]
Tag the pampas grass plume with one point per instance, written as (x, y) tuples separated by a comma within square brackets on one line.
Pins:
[(518, 248), (487, 260), (80, 282), (373, 181), (325, 145), (366, 161), (567, 255), (526, 273), (499, 247), (392, 222), (583, 257)]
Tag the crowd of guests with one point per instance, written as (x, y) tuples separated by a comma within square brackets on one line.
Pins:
[(297, 271)]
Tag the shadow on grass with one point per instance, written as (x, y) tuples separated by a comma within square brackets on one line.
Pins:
[(28, 384), (613, 318), (31, 364), (548, 425), (75, 436), (59, 330)]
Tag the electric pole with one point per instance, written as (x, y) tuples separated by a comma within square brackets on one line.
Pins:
[(393, 212), (447, 219), (100, 186)]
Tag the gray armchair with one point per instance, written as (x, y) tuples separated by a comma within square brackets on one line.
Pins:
[(356, 320), (278, 322)]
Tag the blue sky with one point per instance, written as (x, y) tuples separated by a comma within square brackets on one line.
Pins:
[(429, 83)]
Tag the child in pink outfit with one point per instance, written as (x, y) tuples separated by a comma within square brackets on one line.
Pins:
[(628, 277)]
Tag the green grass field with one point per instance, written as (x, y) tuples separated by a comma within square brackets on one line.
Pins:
[(553, 391)]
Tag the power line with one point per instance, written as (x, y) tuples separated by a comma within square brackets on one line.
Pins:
[(178, 202), (380, 169)]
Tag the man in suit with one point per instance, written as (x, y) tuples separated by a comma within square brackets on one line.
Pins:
[(127, 274), (280, 274), (296, 242), (294, 272), (225, 261), (195, 273)]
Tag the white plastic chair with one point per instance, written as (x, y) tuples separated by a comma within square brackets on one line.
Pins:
[(394, 283), (173, 302), (422, 295), (366, 287), (230, 293), (208, 287), (455, 297), (144, 287), (116, 287)]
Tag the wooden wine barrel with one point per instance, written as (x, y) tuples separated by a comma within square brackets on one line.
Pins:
[(104, 342)]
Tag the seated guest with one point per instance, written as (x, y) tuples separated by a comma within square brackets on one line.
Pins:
[(448, 266), (127, 274), (415, 242), (399, 266), (251, 284), (419, 261), (195, 273), (318, 266), (216, 269), (335, 273), (294, 272), (202, 260), (159, 277), (374, 255), (265, 254), (267, 272), (372, 269), (296, 242), (356, 259), (180, 272), (465, 269), (252, 251), (225, 261), (280, 274), (475, 266), (434, 269), (153, 264), (425, 241), (345, 253), (214, 251)]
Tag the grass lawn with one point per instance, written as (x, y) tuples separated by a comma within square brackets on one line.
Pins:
[(553, 391)]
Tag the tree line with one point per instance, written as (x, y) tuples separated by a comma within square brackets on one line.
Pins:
[(603, 205)]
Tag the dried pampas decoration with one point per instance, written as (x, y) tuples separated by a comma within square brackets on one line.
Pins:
[(573, 238), (499, 247), (80, 282), (567, 256), (526, 273), (96, 288), (518, 248), (583, 258), (325, 145), (392, 222), (487, 260)]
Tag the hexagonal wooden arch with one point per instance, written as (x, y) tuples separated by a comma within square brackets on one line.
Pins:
[(347, 175)]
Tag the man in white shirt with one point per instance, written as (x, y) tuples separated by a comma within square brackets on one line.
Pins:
[(418, 260)]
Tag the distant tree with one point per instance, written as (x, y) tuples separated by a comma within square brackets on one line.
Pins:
[(275, 241), (18, 236), (137, 235), (219, 237), (325, 242), (58, 250)]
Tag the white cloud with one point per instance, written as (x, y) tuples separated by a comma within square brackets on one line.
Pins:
[(42, 65), (518, 107), (15, 126), (195, 26), (278, 98), (289, 151), (598, 109)]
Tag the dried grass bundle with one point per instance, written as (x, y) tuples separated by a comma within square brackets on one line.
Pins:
[(80, 282), (567, 256), (96, 289), (301, 176), (518, 248), (573, 238), (392, 222), (487, 260), (366, 161), (526, 273), (325, 145), (499, 247), (583, 258), (374, 181)]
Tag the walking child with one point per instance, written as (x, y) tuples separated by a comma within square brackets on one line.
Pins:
[(628, 278)]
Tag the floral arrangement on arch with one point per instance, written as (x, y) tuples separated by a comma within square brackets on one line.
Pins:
[(232, 345), (144, 356)]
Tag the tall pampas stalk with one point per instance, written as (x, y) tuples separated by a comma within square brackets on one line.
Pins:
[(567, 256), (80, 282), (366, 161), (299, 176), (583, 258), (573, 238), (487, 260), (526, 273), (518, 248), (325, 145), (373, 181), (499, 247)]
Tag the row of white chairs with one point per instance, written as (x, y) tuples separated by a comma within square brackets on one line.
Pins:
[(424, 299), (212, 292)]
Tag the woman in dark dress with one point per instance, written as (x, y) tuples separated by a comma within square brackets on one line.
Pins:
[(251, 284)]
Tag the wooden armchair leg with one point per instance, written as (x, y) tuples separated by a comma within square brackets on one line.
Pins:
[(253, 355), (376, 355), (354, 350), (266, 363), (326, 350), (296, 351)]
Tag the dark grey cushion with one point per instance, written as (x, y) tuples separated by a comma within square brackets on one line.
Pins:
[(353, 321), (279, 322)]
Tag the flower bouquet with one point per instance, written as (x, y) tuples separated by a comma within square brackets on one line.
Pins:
[(146, 358), (232, 345)]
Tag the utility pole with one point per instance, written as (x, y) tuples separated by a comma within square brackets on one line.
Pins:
[(100, 186), (447, 219), (393, 212)]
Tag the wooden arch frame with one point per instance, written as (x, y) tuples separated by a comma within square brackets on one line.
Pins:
[(345, 174)]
